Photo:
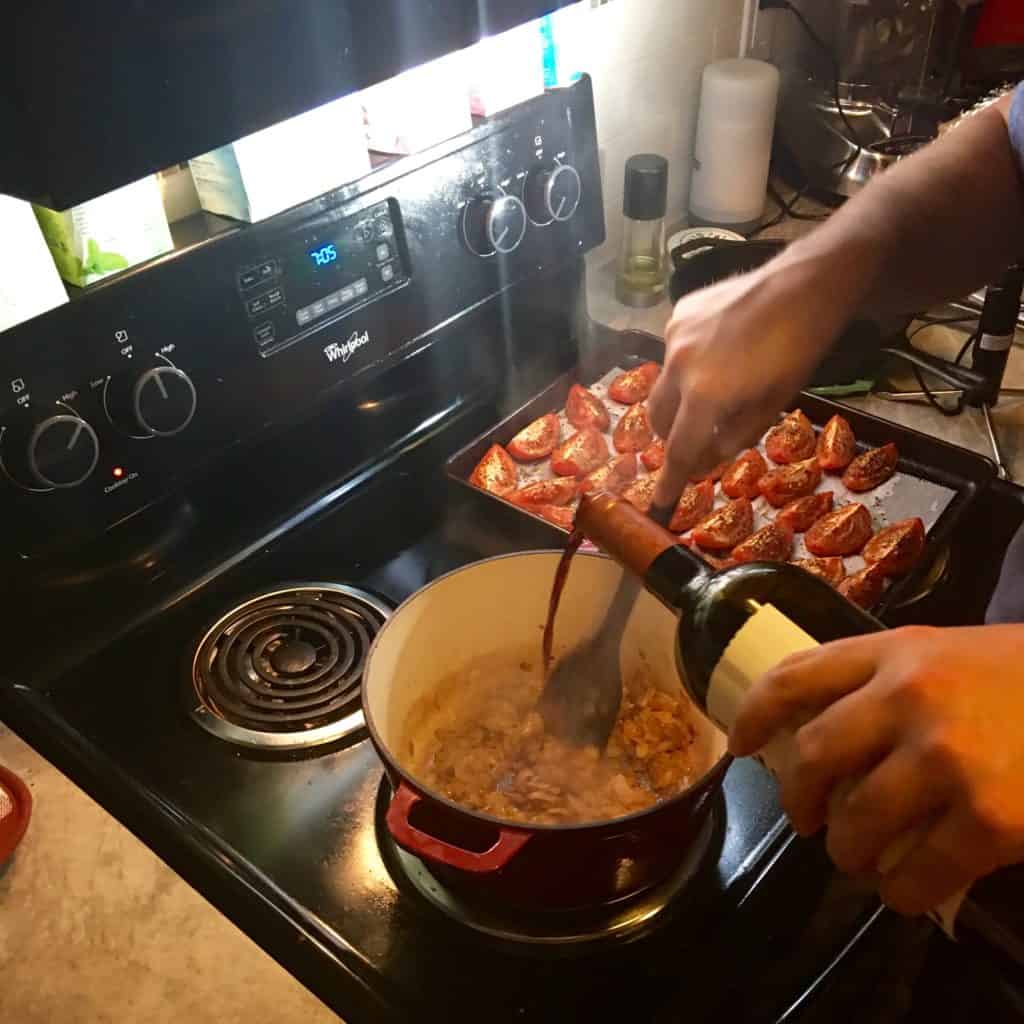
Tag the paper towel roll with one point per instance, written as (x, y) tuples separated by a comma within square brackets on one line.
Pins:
[(734, 142)]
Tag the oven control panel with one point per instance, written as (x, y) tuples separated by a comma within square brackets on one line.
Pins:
[(117, 398)]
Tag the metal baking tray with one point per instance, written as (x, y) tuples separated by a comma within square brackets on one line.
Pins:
[(938, 480)]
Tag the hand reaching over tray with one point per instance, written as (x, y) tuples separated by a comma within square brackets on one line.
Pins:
[(926, 725)]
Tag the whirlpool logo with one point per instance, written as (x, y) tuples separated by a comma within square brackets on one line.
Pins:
[(344, 350)]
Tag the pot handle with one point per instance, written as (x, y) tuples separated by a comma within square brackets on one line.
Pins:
[(510, 841)]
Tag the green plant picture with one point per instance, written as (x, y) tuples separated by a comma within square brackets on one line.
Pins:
[(99, 262)]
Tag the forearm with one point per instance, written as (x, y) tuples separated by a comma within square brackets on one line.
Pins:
[(934, 227)]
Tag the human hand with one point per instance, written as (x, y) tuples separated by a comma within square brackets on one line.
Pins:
[(926, 728), (736, 353)]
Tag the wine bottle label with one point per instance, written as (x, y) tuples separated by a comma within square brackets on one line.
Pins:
[(765, 639), (995, 342)]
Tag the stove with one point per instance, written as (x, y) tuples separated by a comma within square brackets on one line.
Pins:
[(189, 650)]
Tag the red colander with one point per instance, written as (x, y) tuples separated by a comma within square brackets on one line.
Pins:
[(15, 810)]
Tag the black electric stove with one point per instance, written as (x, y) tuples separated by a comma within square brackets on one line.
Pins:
[(264, 516)]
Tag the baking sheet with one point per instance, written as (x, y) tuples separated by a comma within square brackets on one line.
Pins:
[(900, 497)]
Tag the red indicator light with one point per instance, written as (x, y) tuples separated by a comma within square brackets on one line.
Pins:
[(118, 472)]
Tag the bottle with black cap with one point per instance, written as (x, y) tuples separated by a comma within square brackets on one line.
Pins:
[(642, 271)]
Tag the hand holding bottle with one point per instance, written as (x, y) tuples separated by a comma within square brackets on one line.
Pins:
[(927, 728)]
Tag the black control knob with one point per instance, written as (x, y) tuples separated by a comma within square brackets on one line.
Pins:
[(158, 403), (552, 193), (494, 223), (58, 451), (164, 401)]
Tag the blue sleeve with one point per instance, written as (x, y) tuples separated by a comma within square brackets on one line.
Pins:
[(1017, 125)]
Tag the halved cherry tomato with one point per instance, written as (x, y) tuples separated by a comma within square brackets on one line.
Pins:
[(831, 570), (780, 486), (897, 548), (653, 456), (495, 472), (836, 445), (726, 527), (864, 588), (558, 515), (772, 543), (871, 468), (559, 491), (584, 409), (718, 564), (613, 476), (694, 504), (537, 440), (640, 492), (740, 479), (577, 456), (634, 385), (843, 532), (633, 431), (792, 440), (715, 473), (802, 513)]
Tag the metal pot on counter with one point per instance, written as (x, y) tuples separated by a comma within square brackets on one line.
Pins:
[(501, 604)]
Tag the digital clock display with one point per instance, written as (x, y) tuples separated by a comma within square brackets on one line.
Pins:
[(324, 255)]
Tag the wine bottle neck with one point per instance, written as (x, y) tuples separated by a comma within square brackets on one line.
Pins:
[(672, 575)]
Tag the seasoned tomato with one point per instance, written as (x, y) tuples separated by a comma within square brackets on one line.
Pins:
[(802, 513), (772, 543), (613, 476), (559, 515), (871, 468), (694, 504), (581, 453), (634, 385), (843, 532), (653, 456), (831, 570), (864, 588), (792, 440), (633, 431), (495, 472), (726, 527), (640, 492), (584, 409), (780, 486), (536, 441), (559, 491), (836, 445), (897, 548), (740, 479)]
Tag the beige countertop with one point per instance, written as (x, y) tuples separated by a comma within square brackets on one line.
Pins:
[(94, 928)]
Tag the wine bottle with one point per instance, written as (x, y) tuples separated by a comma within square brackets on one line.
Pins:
[(737, 623)]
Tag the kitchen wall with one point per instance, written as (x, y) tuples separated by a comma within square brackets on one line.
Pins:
[(646, 59)]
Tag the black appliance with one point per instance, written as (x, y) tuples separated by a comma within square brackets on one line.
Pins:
[(301, 497), (92, 98)]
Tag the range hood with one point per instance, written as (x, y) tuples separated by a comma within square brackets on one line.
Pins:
[(93, 96)]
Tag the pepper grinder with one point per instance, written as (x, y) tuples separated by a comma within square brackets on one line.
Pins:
[(641, 276)]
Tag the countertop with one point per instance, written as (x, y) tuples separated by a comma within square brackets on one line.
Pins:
[(94, 928)]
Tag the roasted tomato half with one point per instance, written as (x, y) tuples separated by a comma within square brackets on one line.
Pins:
[(864, 588), (613, 476), (802, 513), (653, 456), (559, 491), (792, 440), (584, 409), (772, 543), (581, 453), (495, 472), (741, 478), (536, 441), (726, 527), (559, 515), (640, 492), (831, 570), (780, 486), (633, 431), (843, 532), (871, 468), (634, 385), (836, 445), (694, 504), (897, 548)]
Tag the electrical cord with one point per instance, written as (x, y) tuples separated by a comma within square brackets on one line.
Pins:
[(785, 5), (787, 208), (958, 407)]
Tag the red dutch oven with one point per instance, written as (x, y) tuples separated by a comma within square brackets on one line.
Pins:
[(500, 604)]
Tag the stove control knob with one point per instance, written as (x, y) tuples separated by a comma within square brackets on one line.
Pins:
[(158, 403), (552, 193), (164, 401), (494, 223), (58, 451)]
